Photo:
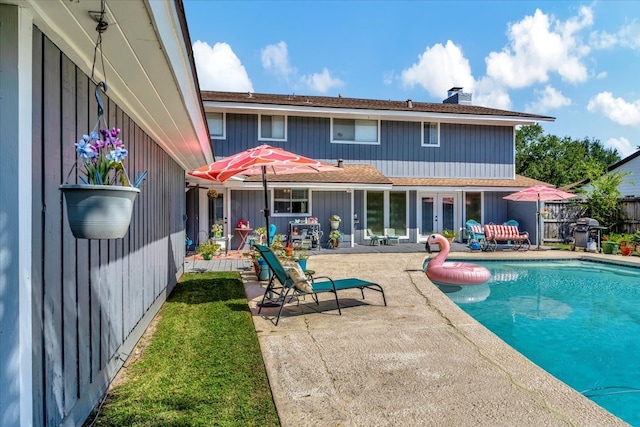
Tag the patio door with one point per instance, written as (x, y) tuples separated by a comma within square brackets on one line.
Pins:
[(436, 212)]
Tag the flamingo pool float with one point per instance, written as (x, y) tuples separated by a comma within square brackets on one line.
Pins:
[(450, 272)]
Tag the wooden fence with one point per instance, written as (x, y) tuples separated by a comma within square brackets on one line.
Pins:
[(557, 226)]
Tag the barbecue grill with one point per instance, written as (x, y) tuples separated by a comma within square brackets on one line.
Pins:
[(585, 229)]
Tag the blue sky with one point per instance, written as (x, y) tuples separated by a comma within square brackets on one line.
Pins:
[(576, 61)]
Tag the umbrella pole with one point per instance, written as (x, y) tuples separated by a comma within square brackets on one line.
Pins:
[(266, 202)]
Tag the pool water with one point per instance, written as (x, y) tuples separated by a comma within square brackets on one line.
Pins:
[(578, 320)]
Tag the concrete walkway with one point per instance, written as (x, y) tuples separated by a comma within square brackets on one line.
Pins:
[(420, 361)]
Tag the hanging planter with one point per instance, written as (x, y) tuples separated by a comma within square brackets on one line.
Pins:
[(100, 207), (99, 211), (212, 194)]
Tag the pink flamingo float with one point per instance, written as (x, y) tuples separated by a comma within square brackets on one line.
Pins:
[(443, 272)]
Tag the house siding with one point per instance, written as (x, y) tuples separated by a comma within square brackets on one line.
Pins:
[(92, 299), (465, 151)]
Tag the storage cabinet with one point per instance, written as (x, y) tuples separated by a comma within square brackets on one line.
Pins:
[(305, 235)]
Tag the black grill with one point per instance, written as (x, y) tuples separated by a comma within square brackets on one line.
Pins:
[(584, 230)]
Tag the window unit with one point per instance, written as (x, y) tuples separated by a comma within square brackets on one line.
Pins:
[(357, 131), (272, 128), (288, 201), (387, 209), (217, 125), (430, 134)]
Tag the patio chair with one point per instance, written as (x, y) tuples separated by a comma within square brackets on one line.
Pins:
[(506, 233), (293, 282), (476, 232), (375, 238), (391, 236)]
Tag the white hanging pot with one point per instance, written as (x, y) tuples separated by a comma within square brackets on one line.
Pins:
[(99, 211), (335, 225)]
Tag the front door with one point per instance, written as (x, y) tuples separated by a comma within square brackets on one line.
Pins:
[(436, 212)]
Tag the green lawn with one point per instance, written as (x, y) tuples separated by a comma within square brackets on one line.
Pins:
[(203, 365)]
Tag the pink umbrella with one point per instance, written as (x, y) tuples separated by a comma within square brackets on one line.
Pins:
[(539, 193), (261, 160)]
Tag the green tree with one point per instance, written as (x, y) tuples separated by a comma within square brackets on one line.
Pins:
[(602, 195), (558, 161)]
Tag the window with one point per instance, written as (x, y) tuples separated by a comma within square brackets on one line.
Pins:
[(355, 130), (273, 127), (473, 206), (430, 134), (375, 211), (291, 201), (216, 125), (398, 211)]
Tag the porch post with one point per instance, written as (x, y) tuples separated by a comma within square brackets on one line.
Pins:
[(16, 395)]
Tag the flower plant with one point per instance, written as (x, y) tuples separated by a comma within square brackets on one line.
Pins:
[(216, 229), (102, 156)]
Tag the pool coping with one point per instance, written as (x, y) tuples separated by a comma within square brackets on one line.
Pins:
[(419, 361)]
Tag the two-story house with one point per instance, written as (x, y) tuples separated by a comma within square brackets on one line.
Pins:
[(411, 166)]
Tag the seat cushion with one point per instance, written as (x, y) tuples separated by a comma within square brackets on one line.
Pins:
[(297, 276)]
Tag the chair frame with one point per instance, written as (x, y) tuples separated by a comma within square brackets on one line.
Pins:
[(480, 237), (520, 240), (375, 238), (391, 236), (287, 289)]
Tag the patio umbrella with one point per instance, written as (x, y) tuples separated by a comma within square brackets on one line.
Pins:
[(261, 160), (539, 193)]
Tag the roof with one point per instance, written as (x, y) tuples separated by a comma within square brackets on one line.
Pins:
[(341, 102), (519, 181), (367, 174), (351, 174)]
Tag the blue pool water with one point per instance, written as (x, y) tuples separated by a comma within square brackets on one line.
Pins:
[(578, 320)]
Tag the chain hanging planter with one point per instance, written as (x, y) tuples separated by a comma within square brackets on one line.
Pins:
[(101, 205), (99, 211)]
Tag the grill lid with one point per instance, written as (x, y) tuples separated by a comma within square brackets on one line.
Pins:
[(589, 222)]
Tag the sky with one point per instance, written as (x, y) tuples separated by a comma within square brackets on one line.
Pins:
[(576, 61)]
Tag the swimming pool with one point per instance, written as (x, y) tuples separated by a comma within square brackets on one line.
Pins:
[(578, 320)]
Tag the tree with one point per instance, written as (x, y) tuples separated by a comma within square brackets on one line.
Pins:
[(602, 195), (558, 161)]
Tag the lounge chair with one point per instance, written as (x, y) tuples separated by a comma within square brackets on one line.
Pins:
[(391, 236), (506, 233), (476, 232), (375, 238), (293, 282)]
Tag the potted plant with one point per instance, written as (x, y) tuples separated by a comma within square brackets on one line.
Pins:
[(100, 207), (544, 213), (626, 247), (335, 222), (216, 230), (301, 256), (635, 240), (212, 194), (449, 235), (334, 238), (610, 244), (207, 249)]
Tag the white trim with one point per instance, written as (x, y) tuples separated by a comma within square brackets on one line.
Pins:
[(239, 107), (261, 138), (422, 143), (356, 142)]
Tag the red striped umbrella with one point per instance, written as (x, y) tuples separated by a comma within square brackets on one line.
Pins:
[(261, 160)]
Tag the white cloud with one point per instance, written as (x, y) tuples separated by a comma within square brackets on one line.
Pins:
[(219, 68), (601, 75), (627, 36), (616, 109), (321, 82), (276, 57), (549, 98), (624, 147), (539, 45), (490, 94), (438, 69)]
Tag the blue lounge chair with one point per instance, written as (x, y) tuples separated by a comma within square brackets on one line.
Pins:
[(288, 285)]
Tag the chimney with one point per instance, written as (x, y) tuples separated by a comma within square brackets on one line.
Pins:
[(409, 103), (455, 95), (340, 163)]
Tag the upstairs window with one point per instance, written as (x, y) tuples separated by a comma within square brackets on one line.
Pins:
[(216, 124), (272, 128), (291, 201), (430, 134), (355, 130)]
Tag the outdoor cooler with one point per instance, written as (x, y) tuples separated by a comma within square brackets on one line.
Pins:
[(585, 229)]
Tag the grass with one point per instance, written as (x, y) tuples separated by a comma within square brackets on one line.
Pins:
[(203, 365)]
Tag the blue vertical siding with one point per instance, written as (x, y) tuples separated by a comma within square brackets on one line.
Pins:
[(92, 300)]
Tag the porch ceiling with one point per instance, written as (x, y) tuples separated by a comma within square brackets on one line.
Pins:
[(148, 61)]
